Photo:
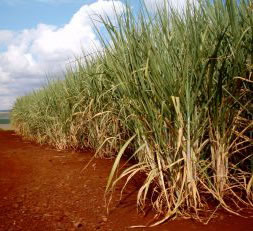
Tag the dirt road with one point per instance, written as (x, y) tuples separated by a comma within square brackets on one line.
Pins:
[(43, 189)]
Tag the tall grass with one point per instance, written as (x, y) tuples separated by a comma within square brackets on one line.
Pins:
[(172, 88)]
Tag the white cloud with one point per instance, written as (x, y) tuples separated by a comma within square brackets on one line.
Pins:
[(152, 5), (31, 53), (5, 37)]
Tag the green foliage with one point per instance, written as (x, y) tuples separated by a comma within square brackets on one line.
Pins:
[(178, 85)]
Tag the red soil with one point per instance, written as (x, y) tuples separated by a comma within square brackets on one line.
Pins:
[(43, 189)]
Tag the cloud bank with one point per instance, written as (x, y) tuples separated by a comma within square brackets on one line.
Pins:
[(27, 56)]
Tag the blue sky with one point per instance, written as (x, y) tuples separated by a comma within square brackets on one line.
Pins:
[(21, 14), (39, 37)]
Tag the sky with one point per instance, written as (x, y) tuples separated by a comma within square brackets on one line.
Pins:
[(38, 38)]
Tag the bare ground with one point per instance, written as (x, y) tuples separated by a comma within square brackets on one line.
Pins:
[(43, 189)]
